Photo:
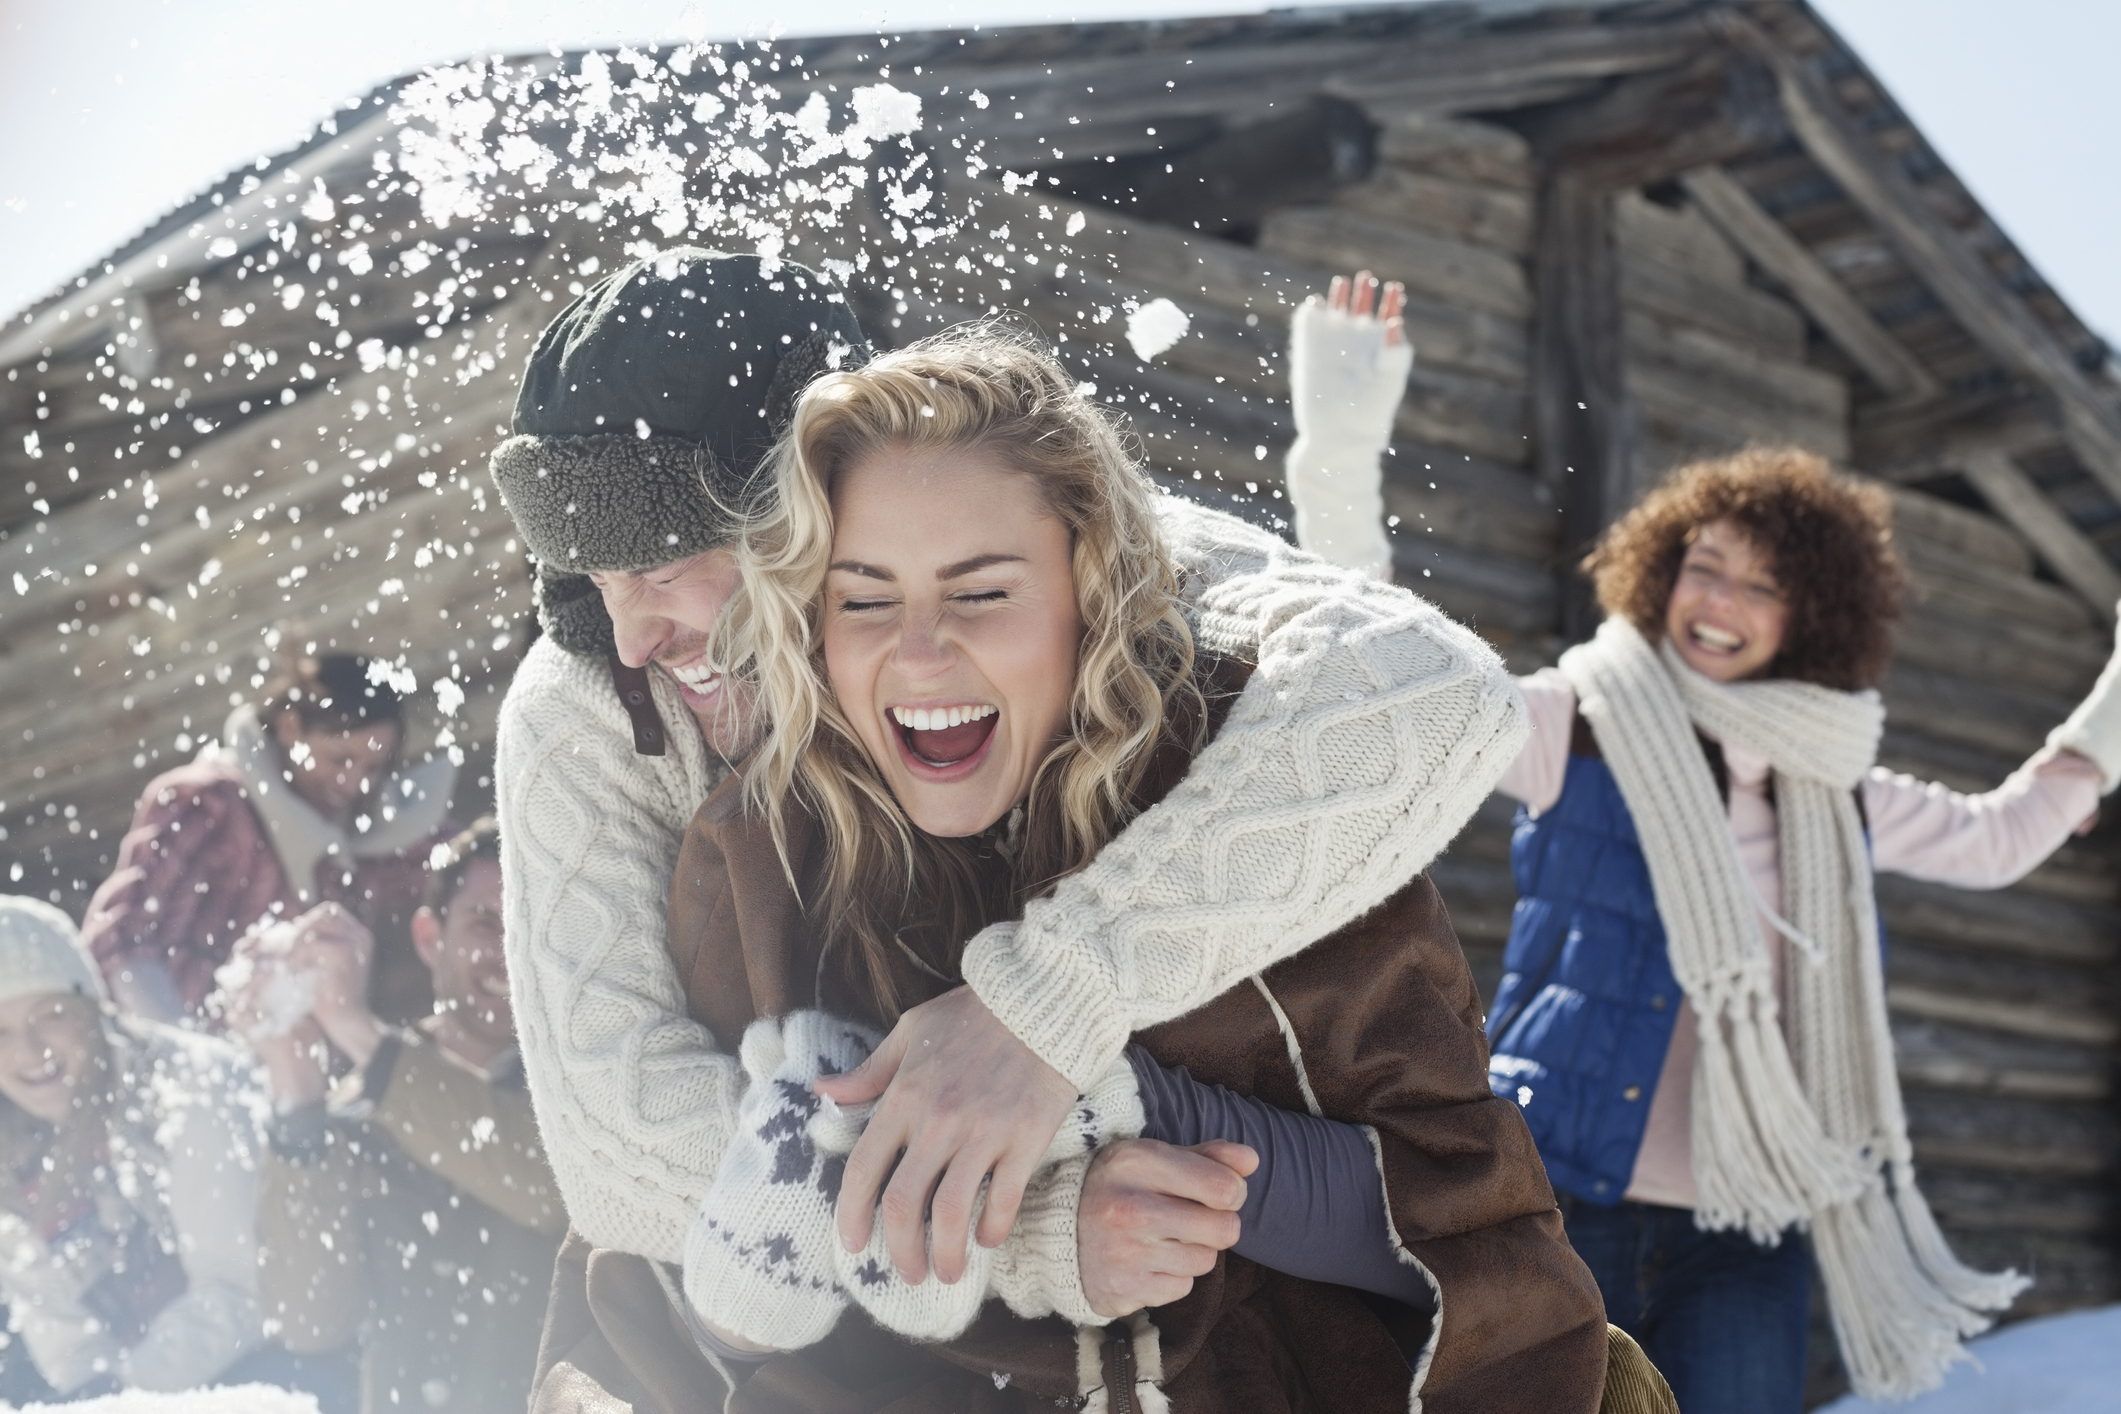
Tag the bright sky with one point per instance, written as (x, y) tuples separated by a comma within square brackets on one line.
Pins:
[(112, 112)]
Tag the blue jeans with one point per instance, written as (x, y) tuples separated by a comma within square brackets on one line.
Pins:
[(1724, 1318)]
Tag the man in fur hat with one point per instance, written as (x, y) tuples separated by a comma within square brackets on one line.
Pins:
[(645, 414)]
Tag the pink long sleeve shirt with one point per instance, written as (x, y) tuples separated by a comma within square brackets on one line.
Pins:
[(1918, 828)]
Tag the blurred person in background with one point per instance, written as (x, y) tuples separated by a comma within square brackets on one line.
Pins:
[(426, 1147), (304, 800), (127, 1179)]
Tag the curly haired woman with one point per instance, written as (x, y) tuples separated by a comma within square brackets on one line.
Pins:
[(1692, 1012)]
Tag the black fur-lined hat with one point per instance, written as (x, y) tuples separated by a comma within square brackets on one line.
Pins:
[(646, 410)]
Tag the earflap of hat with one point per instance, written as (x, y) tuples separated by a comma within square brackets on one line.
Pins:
[(571, 612)]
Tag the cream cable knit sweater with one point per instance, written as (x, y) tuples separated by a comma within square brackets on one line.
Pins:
[(1372, 729)]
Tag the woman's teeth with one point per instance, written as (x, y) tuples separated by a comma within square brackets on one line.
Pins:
[(1717, 638), (936, 719)]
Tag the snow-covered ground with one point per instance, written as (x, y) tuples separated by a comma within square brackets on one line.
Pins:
[(227, 1399), (2060, 1365)]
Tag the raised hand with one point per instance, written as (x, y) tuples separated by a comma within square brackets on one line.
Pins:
[(1348, 367)]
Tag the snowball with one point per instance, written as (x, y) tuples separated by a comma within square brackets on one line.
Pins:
[(285, 996), (1156, 326), (881, 111)]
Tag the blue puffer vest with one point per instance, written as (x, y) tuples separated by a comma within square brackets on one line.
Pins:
[(1584, 1016)]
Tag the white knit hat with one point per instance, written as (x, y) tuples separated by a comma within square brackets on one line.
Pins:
[(41, 951)]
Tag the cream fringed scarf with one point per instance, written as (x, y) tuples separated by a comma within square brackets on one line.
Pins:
[(1796, 1123)]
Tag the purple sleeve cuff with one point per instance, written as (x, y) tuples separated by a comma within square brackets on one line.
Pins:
[(1315, 1206)]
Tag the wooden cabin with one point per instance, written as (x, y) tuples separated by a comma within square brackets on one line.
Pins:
[(1631, 234)]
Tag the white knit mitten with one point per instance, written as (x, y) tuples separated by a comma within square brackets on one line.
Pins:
[(759, 1258), (1035, 1270), (2094, 729), (1345, 383)]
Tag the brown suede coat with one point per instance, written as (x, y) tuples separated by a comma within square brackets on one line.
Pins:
[(1386, 1019)]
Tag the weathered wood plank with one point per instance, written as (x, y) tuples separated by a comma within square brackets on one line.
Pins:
[(1497, 217), (1888, 364), (2041, 997), (1998, 716), (1583, 427), (1745, 315), (2001, 1133), (1751, 383), (1940, 637), (1474, 275), (1937, 1058), (1699, 413), (1977, 589), (2075, 560), (1681, 238), (1935, 523), (1462, 149), (2006, 923)]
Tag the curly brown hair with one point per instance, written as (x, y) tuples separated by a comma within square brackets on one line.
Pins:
[(1830, 538)]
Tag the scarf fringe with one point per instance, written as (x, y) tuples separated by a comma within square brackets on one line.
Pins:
[(1773, 1165), (1900, 1327)]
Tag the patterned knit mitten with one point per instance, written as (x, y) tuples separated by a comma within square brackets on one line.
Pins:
[(1030, 1259), (759, 1258)]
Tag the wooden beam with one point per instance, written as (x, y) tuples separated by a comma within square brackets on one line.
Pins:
[(1645, 128), (1584, 426), (2076, 561), (1939, 255), (1888, 363)]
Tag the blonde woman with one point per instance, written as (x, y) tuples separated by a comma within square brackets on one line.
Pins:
[(968, 635)]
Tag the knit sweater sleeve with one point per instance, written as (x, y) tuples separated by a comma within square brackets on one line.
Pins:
[(633, 1101), (1369, 733)]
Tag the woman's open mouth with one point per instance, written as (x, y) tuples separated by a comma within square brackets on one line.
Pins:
[(1714, 639), (944, 743)]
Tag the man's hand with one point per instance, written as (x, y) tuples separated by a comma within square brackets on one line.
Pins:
[(1153, 1217), (294, 1066), (963, 1098), (339, 951)]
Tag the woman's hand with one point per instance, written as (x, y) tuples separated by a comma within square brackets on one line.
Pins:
[(963, 1098), (1153, 1217), (1348, 367)]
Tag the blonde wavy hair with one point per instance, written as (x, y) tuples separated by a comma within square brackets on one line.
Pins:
[(886, 886)]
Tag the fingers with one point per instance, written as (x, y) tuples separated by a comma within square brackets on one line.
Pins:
[(1365, 294), (905, 1214), (1337, 293), (950, 1216), (868, 1164), (1390, 311), (1005, 1195), (1186, 1174), (1240, 1159), (869, 1079)]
